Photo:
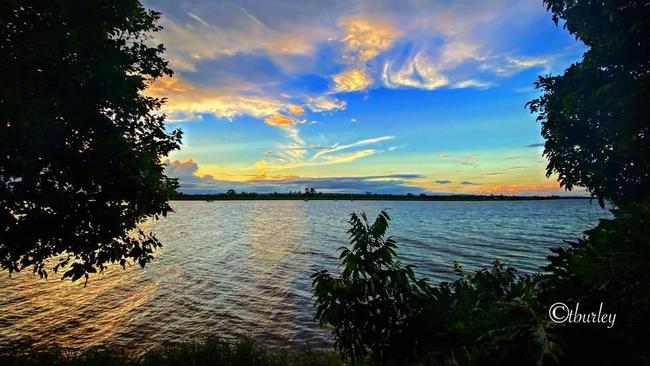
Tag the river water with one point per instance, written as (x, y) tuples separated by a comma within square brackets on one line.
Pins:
[(242, 268)]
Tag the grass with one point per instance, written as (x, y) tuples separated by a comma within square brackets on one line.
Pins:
[(203, 351)]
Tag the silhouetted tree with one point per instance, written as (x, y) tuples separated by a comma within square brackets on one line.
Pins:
[(596, 116), (80, 145), (596, 121)]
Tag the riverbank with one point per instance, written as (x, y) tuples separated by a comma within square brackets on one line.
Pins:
[(204, 351), (245, 196)]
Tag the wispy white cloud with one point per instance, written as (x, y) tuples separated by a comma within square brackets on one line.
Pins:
[(472, 83), (352, 145), (454, 53), (325, 104), (508, 65), (198, 19), (346, 158), (416, 72), (297, 153)]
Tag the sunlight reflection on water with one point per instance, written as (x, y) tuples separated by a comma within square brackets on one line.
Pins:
[(242, 268)]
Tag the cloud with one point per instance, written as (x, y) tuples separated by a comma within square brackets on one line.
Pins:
[(351, 81), (280, 120), (447, 44), (527, 62), (198, 19), (191, 183), (365, 39), (295, 109), (325, 104), (236, 60), (297, 153), (417, 72), (346, 158), (509, 65), (454, 53), (225, 29), (187, 99), (181, 169), (471, 83), (359, 143), (276, 61), (539, 144)]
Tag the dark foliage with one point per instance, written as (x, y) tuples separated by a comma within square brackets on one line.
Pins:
[(596, 119), (493, 316), (596, 116), (80, 146), (370, 303), (206, 351), (378, 307), (609, 266)]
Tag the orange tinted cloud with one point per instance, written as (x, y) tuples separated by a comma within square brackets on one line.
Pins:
[(280, 120), (295, 109), (187, 98), (351, 80), (365, 38)]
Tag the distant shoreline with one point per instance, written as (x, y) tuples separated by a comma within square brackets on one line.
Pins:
[(358, 197)]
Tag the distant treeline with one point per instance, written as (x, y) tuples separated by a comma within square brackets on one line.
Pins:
[(355, 196)]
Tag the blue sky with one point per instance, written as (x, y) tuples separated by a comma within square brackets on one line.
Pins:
[(356, 96)]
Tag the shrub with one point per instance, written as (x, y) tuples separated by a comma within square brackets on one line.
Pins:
[(370, 304)]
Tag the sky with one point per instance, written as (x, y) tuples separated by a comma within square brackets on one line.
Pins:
[(359, 96)]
